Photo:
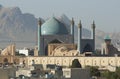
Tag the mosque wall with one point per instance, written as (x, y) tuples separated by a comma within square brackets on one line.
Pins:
[(4, 59), (12, 59), (67, 61), (47, 39), (52, 48)]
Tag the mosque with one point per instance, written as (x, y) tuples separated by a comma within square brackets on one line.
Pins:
[(56, 46), (54, 32)]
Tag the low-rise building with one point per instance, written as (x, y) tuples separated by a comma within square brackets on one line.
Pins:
[(24, 51)]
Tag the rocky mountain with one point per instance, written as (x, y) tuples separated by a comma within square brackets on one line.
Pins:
[(21, 28), (63, 18), (16, 26)]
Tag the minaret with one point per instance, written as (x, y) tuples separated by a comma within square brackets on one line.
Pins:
[(39, 34), (79, 36), (93, 34), (72, 29), (105, 50)]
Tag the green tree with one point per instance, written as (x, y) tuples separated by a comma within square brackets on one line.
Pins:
[(110, 75), (118, 72), (94, 71), (76, 64)]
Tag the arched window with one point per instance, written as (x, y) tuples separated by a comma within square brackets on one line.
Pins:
[(5, 60)]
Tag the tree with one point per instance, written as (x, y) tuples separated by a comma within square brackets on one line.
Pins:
[(109, 75), (118, 72), (112, 75), (94, 71), (76, 64)]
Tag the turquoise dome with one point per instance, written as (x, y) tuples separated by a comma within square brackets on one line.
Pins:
[(107, 37), (53, 27)]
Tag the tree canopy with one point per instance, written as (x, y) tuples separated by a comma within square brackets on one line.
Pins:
[(94, 71)]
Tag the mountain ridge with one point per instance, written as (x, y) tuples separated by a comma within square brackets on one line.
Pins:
[(16, 26)]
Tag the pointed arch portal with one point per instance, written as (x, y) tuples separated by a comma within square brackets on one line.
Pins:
[(52, 42), (87, 48), (5, 60)]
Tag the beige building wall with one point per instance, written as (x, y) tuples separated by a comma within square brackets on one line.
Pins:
[(104, 49), (9, 50), (4, 59), (64, 61), (67, 61)]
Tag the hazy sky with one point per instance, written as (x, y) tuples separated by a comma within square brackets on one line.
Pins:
[(106, 13)]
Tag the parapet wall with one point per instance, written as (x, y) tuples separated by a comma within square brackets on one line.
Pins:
[(67, 61)]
